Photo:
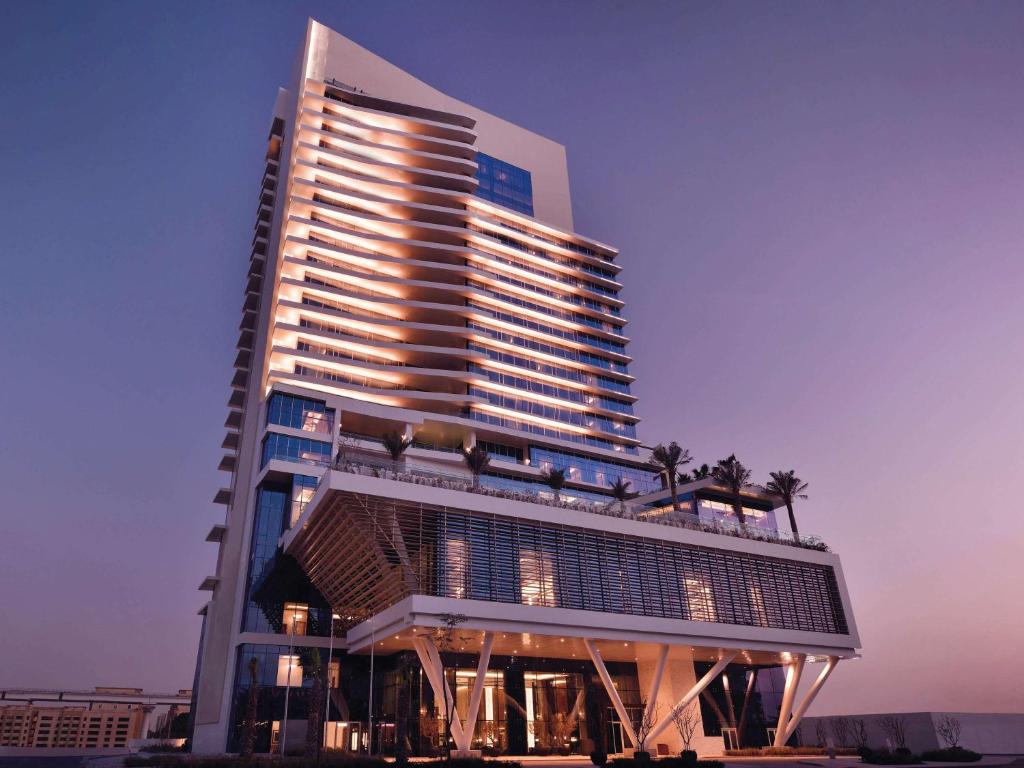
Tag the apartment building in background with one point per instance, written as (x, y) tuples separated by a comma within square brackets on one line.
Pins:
[(415, 278), (105, 717), (101, 727)]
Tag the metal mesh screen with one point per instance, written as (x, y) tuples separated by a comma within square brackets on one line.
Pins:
[(366, 553)]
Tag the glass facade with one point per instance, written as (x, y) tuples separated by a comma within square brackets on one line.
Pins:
[(300, 413), (274, 581), (299, 449), (504, 184), (728, 697), (583, 469)]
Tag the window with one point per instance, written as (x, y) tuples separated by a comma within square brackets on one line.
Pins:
[(300, 413), (288, 670), (295, 619), (700, 600), (303, 488), (300, 449), (504, 184), (456, 559), (536, 578)]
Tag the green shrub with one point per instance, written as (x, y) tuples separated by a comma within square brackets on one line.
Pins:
[(951, 755)]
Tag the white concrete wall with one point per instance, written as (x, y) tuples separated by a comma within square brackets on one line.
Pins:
[(988, 733)]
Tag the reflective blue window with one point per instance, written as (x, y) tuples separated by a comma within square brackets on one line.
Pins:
[(504, 184), (301, 449), (300, 413), (271, 583), (589, 470)]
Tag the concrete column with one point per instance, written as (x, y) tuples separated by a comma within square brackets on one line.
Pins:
[(809, 697), (793, 672), (478, 689), (613, 693)]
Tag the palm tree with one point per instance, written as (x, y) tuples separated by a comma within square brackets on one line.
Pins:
[(668, 461), (620, 490), (788, 487), (555, 480), (251, 704), (396, 444), (698, 473), (733, 475), (312, 666), (477, 459)]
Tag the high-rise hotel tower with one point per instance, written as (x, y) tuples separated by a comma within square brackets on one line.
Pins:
[(416, 292)]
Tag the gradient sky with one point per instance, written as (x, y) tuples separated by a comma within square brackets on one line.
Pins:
[(819, 208)]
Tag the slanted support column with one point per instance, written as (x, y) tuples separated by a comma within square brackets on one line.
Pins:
[(613, 694), (808, 700), (434, 670), (693, 693), (659, 670), (478, 689), (793, 671)]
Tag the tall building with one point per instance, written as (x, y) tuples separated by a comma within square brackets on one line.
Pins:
[(415, 282)]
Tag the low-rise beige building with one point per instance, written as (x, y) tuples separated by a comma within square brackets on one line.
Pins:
[(100, 726)]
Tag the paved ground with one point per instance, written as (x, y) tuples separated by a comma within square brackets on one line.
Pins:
[(77, 761)]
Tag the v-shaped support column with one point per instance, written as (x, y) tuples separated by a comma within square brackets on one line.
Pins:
[(693, 693), (613, 693), (787, 727), (430, 659)]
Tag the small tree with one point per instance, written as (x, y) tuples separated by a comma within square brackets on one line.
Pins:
[(251, 704), (446, 638), (895, 729), (859, 732), (686, 721), (396, 444), (555, 480), (821, 731), (477, 459), (645, 724), (841, 728), (313, 667), (949, 729), (620, 491)]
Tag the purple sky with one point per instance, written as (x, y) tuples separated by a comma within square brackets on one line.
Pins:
[(819, 208)]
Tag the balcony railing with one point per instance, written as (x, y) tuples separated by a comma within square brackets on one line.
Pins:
[(624, 510)]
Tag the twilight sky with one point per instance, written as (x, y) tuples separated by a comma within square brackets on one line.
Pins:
[(819, 208)]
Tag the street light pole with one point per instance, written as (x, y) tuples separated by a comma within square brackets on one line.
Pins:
[(288, 682), (330, 659), (373, 642)]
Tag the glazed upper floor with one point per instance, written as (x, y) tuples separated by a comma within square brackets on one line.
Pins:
[(396, 282)]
